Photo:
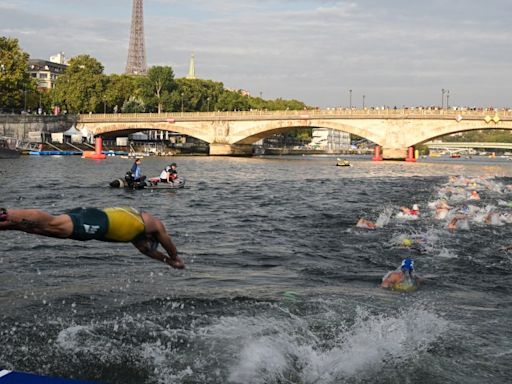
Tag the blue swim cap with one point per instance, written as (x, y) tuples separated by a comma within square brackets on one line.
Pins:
[(407, 264)]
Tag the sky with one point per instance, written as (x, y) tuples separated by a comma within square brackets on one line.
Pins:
[(394, 52)]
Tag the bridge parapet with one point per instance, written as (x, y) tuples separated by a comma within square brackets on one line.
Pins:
[(339, 113)]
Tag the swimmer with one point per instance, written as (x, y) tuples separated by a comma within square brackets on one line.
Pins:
[(442, 209), (414, 211), (405, 273), (367, 224), (492, 218), (474, 196), (452, 225), (407, 243), (119, 224)]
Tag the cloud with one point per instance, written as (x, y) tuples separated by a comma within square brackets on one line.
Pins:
[(395, 52)]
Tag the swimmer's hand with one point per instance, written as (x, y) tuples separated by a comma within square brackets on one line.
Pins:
[(176, 263)]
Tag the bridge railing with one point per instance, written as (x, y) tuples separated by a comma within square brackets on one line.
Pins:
[(332, 113)]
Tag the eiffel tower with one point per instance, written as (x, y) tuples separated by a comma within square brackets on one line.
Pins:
[(136, 63)]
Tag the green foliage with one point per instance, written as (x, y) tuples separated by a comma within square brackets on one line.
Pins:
[(197, 95), (82, 86), (133, 105), (15, 81), (484, 136), (119, 89), (233, 101), (156, 87)]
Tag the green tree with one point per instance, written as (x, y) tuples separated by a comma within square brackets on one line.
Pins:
[(198, 95), (118, 90), (15, 81), (81, 87), (233, 101), (157, 86), (133, 105)]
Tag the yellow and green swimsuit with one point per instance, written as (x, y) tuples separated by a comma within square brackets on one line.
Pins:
[(116, 224)]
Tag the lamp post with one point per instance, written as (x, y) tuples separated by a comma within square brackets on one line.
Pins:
[(350, 98), (447, 98), (364, 97), (104, 105), (208, 103), (25, 103), (442, 97), (2, 70), (182, 94)]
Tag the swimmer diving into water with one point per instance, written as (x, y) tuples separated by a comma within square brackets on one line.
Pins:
[(119, 224)]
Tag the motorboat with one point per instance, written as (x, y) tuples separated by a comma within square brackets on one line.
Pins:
[(343, 163), (151, 183)]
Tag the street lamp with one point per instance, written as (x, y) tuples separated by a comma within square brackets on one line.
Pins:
[(208, 103), (447, 98), (25, 104), (182, 94), (104, 105), (350, 98), (442, 97), (364, 97)]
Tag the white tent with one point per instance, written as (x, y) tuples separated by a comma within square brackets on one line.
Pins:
[(76, 135)]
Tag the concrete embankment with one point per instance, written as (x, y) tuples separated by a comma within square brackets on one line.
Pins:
[(25, 127)]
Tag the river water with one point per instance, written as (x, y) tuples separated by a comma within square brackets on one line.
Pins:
[(280, 285)]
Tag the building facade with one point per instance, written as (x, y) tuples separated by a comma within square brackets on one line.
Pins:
[(330, 140), (46, 72)]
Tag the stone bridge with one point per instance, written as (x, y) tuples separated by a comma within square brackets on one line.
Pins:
[(395, 131)]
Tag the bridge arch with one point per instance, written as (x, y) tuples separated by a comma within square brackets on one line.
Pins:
[(118, 129), (252, 134), (444, 130)]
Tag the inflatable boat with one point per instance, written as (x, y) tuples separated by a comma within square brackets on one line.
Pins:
[(151, 183)]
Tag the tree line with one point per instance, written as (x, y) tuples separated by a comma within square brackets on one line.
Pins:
[(85, 88)]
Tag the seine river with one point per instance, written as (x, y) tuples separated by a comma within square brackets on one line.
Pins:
[(280, 285)]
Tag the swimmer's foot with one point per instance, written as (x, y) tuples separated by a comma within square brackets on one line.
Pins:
[(3, 214)]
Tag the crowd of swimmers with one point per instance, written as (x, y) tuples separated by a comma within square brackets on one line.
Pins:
[(459, 204)]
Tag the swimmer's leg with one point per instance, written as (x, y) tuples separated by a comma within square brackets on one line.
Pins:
[(37, 222)]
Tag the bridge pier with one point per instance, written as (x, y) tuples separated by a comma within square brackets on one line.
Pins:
[(230, 149), (394, 153), (410, 155)]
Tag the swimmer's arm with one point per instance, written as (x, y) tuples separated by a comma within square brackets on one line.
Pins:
[(144, 247)]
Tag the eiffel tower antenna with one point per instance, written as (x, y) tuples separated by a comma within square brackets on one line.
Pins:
[(136, 63)]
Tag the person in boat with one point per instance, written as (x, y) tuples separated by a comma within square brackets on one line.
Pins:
[(165, 176), (137, 172), (404, 274), (117, 224), (173, 172), (414, 211)]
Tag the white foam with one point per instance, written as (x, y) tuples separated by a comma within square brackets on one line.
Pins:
[(282, 352)]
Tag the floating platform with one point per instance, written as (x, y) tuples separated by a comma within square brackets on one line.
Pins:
[(54, 153), (13, 377)]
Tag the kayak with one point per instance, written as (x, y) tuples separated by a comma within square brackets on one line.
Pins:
[(152, 183)]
